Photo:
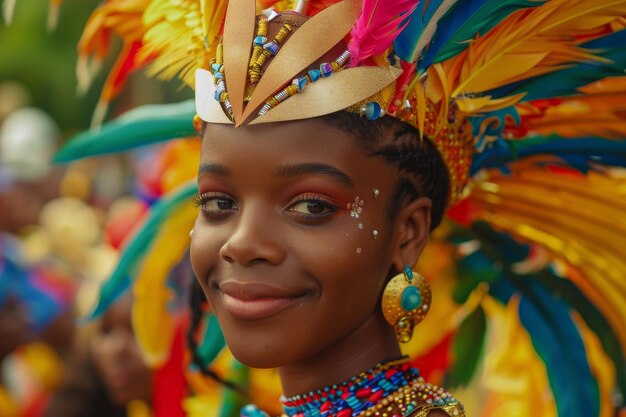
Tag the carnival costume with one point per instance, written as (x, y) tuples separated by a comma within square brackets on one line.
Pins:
[(525, 101)]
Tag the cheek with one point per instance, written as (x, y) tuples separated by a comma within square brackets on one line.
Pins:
[(204, 250), (350, 265)]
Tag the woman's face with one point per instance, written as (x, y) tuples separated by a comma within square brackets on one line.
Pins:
[(292, 243), (117, 356)]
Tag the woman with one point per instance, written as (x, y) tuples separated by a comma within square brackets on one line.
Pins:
[(334, 137), (294, 276), (108, 376)]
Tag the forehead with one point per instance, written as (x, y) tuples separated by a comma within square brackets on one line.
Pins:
[(303, 139), (264, 147)]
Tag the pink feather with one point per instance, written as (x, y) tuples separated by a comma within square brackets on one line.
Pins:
[(380, 22)]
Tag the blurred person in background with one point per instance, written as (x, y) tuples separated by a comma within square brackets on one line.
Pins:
[(28, 139), (108, 376)]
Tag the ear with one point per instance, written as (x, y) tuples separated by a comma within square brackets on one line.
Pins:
[(412, 231)]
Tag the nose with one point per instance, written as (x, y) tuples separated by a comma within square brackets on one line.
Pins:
[(255, 239)]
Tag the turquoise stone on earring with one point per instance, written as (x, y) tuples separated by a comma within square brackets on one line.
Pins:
[(411, 298), (408, 272)]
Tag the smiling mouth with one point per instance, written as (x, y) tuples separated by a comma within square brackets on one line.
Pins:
[(254, 302)]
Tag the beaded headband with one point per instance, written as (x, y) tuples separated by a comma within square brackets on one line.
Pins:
[(280, 67)]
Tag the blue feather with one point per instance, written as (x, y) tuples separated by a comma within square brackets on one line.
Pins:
[(407, 40), (141, 126), (566, 82), (464, 21), (136, 249), (610, 152), (558, 342)]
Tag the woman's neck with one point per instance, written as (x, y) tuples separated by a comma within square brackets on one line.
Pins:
[(372, 343)]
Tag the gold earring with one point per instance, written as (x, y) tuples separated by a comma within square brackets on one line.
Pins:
[(406, 300)]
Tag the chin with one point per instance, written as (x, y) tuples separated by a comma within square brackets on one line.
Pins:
[(258, 352)]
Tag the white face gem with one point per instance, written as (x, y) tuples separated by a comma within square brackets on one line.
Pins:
[(356, 208), (360, 226), (358, 251), (191, 233), (376, 192), (375, 234)]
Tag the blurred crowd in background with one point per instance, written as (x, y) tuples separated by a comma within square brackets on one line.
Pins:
[(61, 228)]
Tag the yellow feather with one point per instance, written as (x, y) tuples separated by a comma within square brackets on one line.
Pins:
[(153, 324), (601, 366), (182, 35), (514, 376), (516, 49), (600, 112), (486, 104), (578, 219)]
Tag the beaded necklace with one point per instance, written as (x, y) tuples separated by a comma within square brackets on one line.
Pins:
[(390, 389)]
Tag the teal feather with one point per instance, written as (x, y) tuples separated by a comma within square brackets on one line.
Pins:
[(232, 401), (405, 43), (212, 340), (467, 349), (141, 126), (547, 318), (580, 153), (572, 295), (559, 344), (566, 82), (138, 246), (463, 22), (420, 28)]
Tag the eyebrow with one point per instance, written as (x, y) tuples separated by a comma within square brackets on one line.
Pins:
[(315, 169), (211, 168)]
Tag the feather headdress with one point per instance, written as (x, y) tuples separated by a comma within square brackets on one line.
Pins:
[(523, 99)]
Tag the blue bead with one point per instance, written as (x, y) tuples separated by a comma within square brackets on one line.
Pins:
[(326, 69), (300, 83), (314, 75), (218, 75), (260, 40), (216, 67), (272, 47), (411, 298), (372, 110), (216, 95)]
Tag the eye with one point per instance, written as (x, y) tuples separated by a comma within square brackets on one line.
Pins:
[(215, 204), (312, 206)]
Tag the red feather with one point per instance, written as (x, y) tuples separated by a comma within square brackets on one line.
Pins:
[(378, 26)]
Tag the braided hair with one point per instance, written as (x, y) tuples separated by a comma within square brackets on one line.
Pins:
[(421, 171), (198, 305)]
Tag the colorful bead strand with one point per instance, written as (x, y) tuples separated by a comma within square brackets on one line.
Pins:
[(268, 49), (325, 70), (217, 66)]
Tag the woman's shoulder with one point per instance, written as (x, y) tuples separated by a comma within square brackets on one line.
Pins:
[(434, 401)]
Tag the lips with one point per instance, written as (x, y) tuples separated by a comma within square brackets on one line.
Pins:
[(254, 301)]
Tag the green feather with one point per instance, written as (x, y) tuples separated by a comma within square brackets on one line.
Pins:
[(467, 19), (212, 341), (141, 126), (467, 348), (136, 249)]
